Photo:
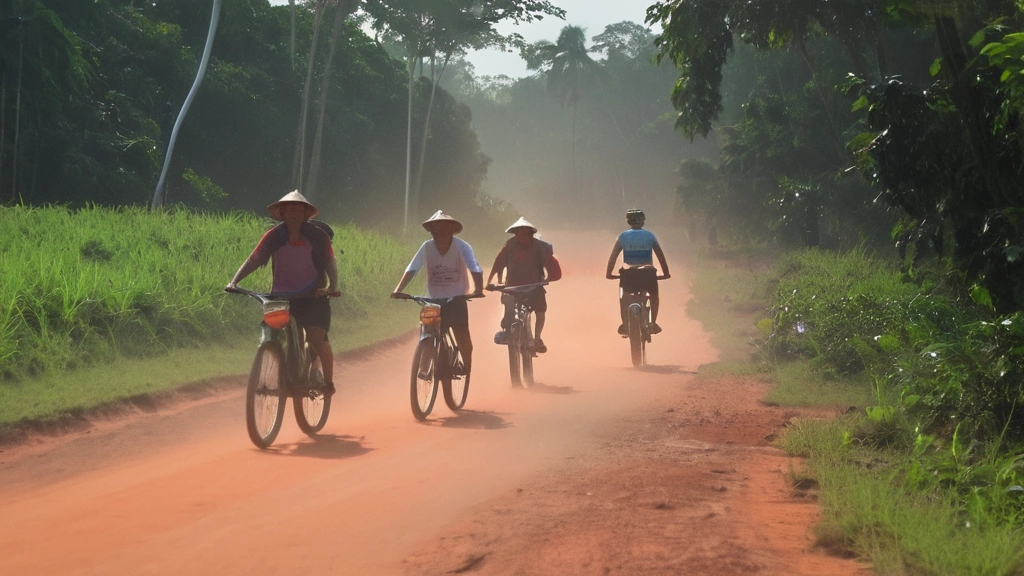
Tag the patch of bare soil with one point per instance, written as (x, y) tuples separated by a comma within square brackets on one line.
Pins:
[(694, 487)]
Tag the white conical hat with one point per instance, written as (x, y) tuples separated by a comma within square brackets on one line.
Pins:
[(275, 209), (521, 223), (440, 216)]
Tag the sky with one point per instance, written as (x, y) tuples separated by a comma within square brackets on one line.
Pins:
[(593, 15)]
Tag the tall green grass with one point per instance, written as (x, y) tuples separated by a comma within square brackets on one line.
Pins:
[(86, 286), (927, 479)]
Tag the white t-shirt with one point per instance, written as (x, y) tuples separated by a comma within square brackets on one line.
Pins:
[(447, 275)]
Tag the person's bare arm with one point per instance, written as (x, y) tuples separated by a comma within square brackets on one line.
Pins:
[(332, 275), (406, 278), (478, 283), (499, 265), (661, 259), (611, 259), (251, 264)]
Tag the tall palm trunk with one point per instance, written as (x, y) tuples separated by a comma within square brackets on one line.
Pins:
[(292, 3), (17, 118), (158, 195), (434, 81), (325, 86), (3, 126), (408, 138), (575, 185), (300, 141)]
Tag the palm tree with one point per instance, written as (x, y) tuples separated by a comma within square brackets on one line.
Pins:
[(568, 67)]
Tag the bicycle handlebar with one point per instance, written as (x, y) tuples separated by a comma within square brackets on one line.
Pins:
[(619, 275), (505, 289), (265, 296), (424, 300)]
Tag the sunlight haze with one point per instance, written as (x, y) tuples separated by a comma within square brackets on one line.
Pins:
[(593, 15)]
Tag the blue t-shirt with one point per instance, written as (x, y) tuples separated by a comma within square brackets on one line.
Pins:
[(637, 247)]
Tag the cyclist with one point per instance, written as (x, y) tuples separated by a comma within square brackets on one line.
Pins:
[(303, 265), (524, 259), (447, 260), (636, 245)]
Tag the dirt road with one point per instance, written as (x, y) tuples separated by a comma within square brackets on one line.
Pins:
[(602, 470)]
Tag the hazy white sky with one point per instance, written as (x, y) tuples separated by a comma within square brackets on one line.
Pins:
[(593, 15)]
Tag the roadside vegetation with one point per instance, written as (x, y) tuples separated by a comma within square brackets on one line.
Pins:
[(105, 304), (922, 472)]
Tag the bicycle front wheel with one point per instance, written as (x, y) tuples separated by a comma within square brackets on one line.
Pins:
[(313, 407), (423, 388), (514, 353), (265, 395), (456, 387)]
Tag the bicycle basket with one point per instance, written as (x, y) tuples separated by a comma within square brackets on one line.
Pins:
[(276, 313)]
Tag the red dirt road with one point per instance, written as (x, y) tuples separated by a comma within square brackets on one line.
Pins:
[(601, 470)]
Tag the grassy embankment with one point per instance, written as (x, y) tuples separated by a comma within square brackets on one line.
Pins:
[(924, 476), (100, 305)]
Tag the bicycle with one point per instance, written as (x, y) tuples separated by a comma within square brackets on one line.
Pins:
[(521, 350), (437, 360), (285, 365), (638, 316)]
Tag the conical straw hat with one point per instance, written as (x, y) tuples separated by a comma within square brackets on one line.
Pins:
[(440, 216), (521, 223), (275, 209)]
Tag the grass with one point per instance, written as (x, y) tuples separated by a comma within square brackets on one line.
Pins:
[(869, 510), (53, 395), (799, 383), (870, 506), (106, 304)]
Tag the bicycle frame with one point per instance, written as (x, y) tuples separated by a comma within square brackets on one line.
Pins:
[(284, 366), (291, 337), (437, 361), (521, 348)]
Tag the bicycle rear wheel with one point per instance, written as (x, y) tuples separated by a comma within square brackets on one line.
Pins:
[(526, 351), (265, 395), (313, 407), (514, 352), (423, 391), (636, 337), (455, 388)]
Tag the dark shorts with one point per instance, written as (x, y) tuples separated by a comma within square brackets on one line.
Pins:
[(455, 313), (312, 312), (639, 280), (535, 298)]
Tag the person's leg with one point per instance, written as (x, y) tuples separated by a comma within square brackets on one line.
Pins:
[(465, 344), (652, 290), (510, 311), (317, 338), (456, 315), (540, 323)]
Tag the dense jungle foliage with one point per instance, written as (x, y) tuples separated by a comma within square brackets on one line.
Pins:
[(853, 121), (89, 92)]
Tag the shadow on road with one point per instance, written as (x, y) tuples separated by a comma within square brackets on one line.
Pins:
[(665, 370), (325, 446), (546, 389), (472, 419)]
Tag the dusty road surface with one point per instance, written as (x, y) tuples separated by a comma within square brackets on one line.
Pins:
[(602, 469)]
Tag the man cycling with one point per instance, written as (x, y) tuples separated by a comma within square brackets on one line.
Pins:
[(304, 267), (447, 260), (636, 245), (524, 259)]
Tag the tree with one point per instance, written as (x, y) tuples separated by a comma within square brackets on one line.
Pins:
[(439, 29), (569, 70), (158, 195)]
